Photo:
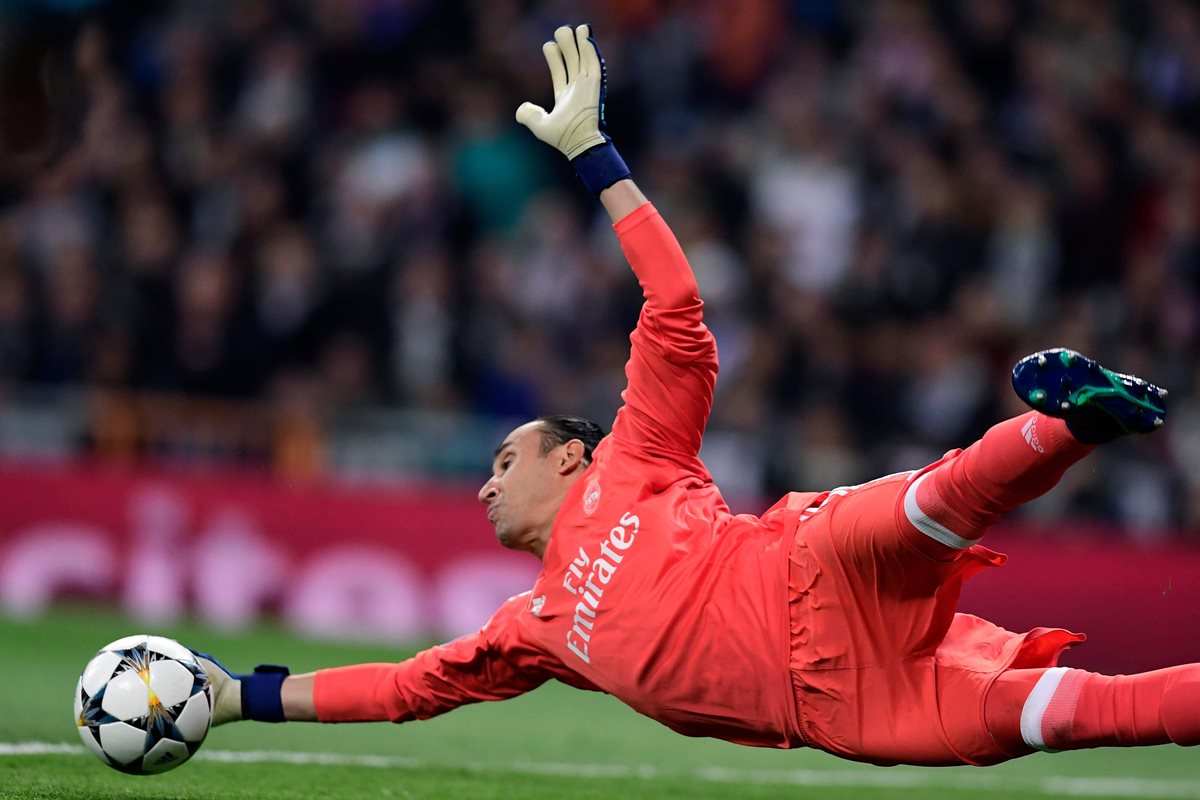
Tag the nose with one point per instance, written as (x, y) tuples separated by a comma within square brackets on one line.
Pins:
[(488, 491)]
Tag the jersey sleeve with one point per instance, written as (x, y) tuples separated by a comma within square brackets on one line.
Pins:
[(492, 664), (672, 368)]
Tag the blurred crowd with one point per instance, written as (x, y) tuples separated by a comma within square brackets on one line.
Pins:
[(328, 205)]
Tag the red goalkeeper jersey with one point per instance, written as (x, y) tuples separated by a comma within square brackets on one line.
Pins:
[(651, 590)]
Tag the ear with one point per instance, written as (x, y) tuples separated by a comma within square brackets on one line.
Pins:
[(570, 457)]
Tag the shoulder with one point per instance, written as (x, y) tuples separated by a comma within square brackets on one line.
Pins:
[(503, 622)]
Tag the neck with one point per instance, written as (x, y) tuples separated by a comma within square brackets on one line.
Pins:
[(540, 537), (538, 548)]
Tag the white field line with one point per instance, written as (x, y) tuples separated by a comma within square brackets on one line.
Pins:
[(965, 779)]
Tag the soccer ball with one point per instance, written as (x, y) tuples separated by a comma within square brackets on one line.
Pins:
[(143, 704)]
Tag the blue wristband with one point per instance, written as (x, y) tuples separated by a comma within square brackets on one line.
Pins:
[(262, 693), (600, 167)]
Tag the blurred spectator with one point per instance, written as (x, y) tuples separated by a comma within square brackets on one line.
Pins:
[(496, 170), (203, 356), (16, 319), (70, 320)]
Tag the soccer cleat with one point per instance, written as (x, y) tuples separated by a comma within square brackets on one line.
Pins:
[(1098, 404)]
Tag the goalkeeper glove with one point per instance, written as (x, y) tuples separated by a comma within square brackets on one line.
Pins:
[(576, 124), (255, 696)]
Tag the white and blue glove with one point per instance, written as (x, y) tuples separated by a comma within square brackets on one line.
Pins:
[(255, 696), (576, 124)]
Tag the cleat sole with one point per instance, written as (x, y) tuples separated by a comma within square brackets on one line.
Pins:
[(1063, 383)]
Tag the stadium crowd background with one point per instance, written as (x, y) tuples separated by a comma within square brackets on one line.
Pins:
[(286, 224)]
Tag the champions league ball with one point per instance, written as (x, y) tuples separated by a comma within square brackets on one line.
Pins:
[(143, 704)]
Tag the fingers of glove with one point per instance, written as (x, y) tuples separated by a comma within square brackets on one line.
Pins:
[(570, 51), (531, 115), (218, 676), (210, 662), (589, 53), (558, 68)]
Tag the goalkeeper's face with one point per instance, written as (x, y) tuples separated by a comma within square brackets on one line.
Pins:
[(527, 487)]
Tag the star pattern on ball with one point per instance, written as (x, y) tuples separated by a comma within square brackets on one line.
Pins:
[(153, 719)]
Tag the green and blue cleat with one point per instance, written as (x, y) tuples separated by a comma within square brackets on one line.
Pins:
[(1098, 404)]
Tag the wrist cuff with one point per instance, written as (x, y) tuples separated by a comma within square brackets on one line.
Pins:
[(600, 167), (262, 693)]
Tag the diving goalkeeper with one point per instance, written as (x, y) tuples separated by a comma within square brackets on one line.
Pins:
[(828, 622)]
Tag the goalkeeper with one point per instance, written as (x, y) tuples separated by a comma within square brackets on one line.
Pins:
[(828, 622)]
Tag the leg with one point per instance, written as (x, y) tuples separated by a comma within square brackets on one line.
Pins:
[(1016, 461), (1082, 404), (1071, 709), (886, 672)]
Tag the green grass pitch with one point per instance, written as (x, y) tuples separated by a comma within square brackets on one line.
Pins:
[(553, 743)]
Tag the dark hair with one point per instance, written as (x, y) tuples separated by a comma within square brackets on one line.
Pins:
[(559, 429)]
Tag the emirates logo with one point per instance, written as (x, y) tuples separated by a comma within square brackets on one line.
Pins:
[(591, 497)]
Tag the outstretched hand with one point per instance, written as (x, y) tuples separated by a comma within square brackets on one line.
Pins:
[(256, 695), (575, 124)]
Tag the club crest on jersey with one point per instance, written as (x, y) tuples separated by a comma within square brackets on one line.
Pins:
[(591, 497), (536, 603)]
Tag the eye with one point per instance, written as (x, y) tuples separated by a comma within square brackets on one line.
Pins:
[(506, 462)]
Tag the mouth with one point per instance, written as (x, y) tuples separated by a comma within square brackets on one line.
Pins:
[(492, 513)]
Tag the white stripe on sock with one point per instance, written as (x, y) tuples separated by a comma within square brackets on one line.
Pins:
[(1035, 707), (928, 526)]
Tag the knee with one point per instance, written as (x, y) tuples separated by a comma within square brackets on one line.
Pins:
[(941, 522)]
